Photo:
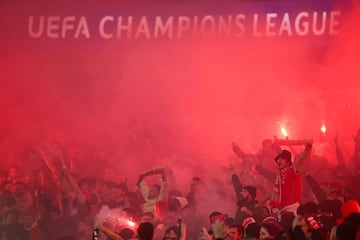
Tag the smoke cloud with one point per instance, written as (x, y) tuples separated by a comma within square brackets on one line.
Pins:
[(133, 105)]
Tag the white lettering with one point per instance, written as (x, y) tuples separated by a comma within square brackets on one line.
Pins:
[(31, 31), (143, 28), (208, 26), (183, 25), (124, 27), (82, 29), (52, 30), (285, 25), (315, 23), (162, 28), (334, 22), (102, 32), (304, 26), (67, 24), (195, 25), (225, 26), (256, 33), (270, 24), (240, 26)]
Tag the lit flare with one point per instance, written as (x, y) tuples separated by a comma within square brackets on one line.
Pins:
[(284, 132)]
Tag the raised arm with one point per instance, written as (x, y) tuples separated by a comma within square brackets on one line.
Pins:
[(315, 188), (355, 159), (235, 181), (75, 187), (266, 198), (268, 175), (108, 233), (144, 188), (298, 164), (183, 230), (236, 149), (50, 165), (64, 185), (163, 188), (339, 155)]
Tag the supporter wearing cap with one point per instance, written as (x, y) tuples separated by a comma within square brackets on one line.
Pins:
[(246, 200), (287, 187)]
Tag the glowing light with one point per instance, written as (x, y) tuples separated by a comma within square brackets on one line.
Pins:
[(131, 223), (284, 132), (323, 128)]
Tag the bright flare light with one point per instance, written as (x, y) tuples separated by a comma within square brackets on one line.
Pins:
[(284, 132), (131, 223), (323, 128)]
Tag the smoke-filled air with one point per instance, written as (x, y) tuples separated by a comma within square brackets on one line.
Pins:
[(115, 112)]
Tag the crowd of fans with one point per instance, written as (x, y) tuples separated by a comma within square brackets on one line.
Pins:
[(277, 193)]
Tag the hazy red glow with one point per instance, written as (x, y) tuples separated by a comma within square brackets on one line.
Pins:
[(194, 96)]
